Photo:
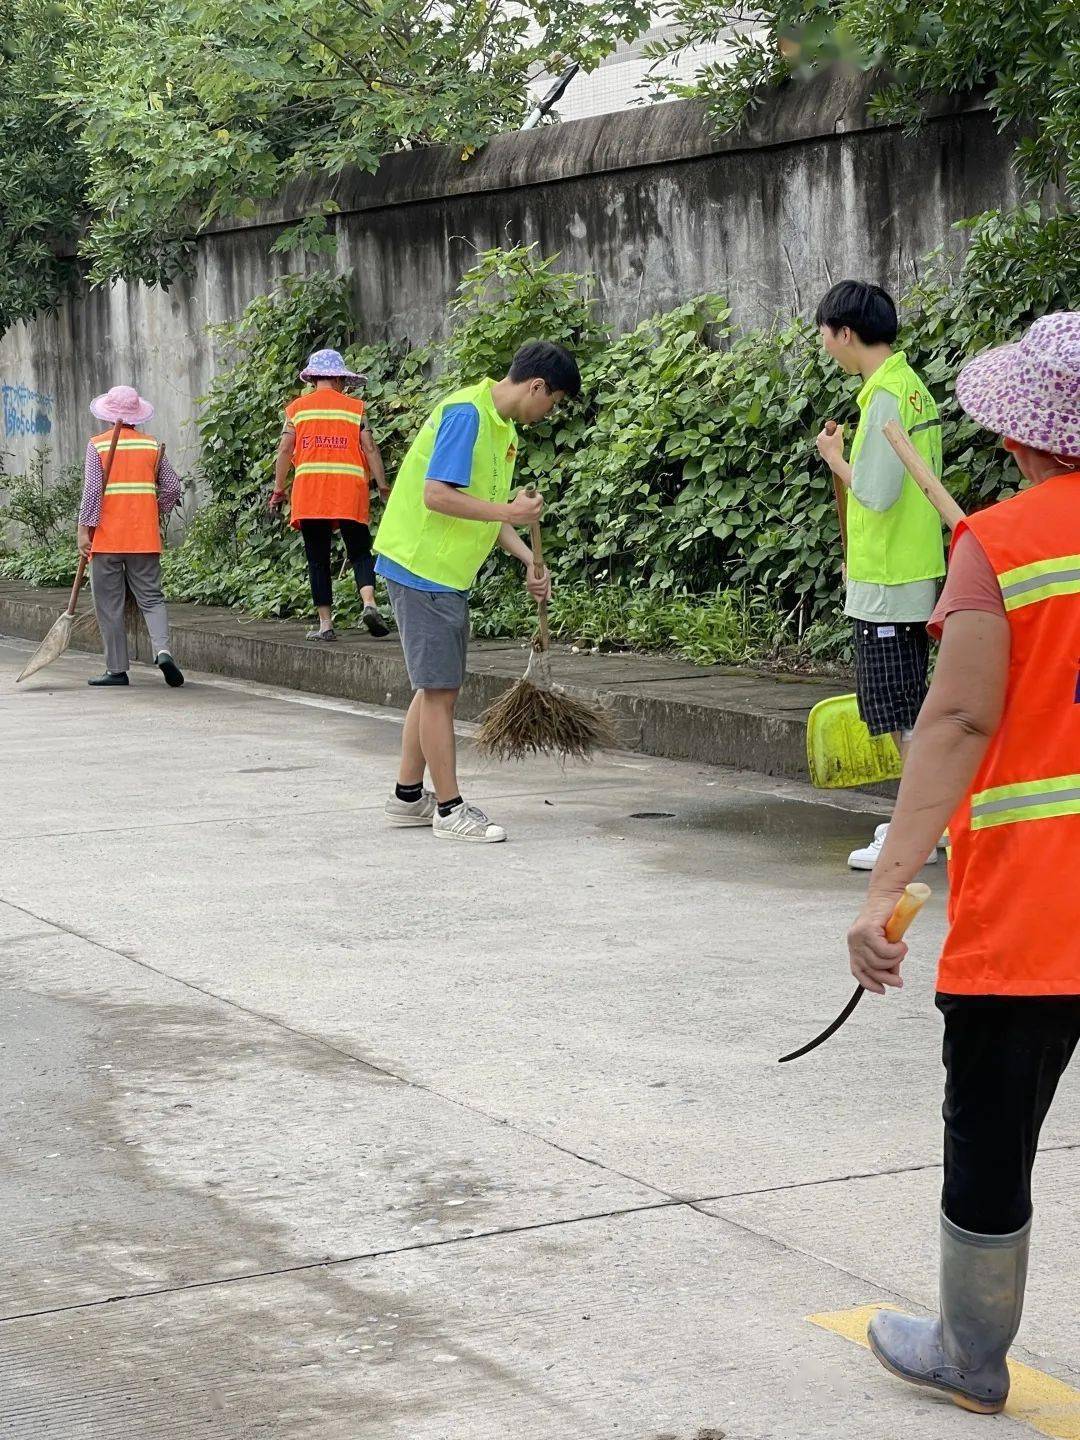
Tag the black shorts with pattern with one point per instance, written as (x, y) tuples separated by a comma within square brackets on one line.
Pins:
[(891, 667)]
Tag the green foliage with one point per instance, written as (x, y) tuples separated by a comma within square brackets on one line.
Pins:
[(1026, 56), (127, 129), (235, 551), (687, 507), (52, 564), (511, 296), (728, 628), (41, 173), (43, 508), (266, 350), (39, 515), (229, 103)]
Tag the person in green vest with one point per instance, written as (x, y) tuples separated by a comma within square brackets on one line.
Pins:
[(447, 510), (895, 555)]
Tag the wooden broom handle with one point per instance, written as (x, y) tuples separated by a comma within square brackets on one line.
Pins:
[(106, 470), (537, 543), (923, 476), (80, 576)]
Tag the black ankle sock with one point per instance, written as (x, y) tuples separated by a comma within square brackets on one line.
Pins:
[(444, 810), (409, 793)]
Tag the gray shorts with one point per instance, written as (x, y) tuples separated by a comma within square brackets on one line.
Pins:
[(434, 630)]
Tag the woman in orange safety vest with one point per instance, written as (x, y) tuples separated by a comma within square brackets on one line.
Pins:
[(996, 754), (328, 446), (120, 530)]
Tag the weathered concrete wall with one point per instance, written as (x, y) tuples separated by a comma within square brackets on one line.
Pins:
[(650, 202)]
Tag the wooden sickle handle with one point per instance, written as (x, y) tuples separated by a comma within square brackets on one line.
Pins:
[(907, 907), (923, 476)]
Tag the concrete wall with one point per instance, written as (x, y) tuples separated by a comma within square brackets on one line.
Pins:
[(650, 202)]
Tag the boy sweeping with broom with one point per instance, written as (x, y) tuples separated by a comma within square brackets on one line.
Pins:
[(449, 507)]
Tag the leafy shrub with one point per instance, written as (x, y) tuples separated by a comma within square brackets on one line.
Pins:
[(43, 509), (38, 516), (52, 564)]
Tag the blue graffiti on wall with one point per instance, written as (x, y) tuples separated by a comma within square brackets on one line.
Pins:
[(26, 411)]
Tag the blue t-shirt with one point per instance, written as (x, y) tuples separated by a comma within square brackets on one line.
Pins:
[(451, 464)]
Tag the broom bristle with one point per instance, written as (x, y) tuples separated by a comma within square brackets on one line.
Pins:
[(527, 720)]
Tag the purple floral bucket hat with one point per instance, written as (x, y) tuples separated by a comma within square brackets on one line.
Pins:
[(1030, 391), (330, 365)]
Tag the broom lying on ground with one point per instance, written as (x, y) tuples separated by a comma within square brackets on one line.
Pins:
[(534, 716)]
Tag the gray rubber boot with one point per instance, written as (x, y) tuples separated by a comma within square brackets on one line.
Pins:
[(962, 1353)]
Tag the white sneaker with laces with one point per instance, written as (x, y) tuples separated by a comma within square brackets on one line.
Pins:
[(411, 812), (467, 822), (867, 858)]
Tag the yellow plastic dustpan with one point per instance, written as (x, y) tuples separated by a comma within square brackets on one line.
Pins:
[(840, 750)]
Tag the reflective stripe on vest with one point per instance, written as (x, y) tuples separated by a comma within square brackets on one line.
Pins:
[(1029, 800), (130, 523), (305, 417), (314, 467), (133, 442), (331, 480), (1042, 580), (1013, 909)]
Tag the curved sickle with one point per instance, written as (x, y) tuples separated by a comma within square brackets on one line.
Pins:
[(907, 907), (845, 1014)]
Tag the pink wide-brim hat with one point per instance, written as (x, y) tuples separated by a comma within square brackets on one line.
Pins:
[(330, 365), (1030, 391), (122, 402)]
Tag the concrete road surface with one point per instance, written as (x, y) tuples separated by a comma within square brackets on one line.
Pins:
[(313, 1128)]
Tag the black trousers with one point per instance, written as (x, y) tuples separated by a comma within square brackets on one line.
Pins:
[(1003, 1059), (318, 535)]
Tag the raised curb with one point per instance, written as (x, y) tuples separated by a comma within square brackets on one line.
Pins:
[(714, 715)]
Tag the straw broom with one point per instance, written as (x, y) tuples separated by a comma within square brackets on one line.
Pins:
[(534, 716)]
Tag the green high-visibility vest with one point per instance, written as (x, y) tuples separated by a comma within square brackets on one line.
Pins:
[(903, 543), (445, 548)]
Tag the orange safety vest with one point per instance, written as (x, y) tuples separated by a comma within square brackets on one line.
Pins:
[(130, 523), (331, 474), (1014, 905)]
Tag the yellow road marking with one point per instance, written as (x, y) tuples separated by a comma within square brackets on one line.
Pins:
[(1049, 1406)]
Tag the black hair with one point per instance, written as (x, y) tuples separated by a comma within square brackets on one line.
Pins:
[(866, 309), (544, 360)]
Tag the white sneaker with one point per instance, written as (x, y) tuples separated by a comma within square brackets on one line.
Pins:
[(411, 812), (866, 859), (467, 822)]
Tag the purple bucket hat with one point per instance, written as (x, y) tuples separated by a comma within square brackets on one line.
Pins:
[(329, 365), (1030, 391)]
